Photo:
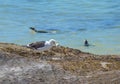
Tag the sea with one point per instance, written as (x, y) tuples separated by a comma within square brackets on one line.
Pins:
[(70, 22)]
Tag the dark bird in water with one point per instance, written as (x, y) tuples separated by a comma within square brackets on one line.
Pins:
[(38, 31), (86, 43)]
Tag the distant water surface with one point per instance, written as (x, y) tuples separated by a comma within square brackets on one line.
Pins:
[(98, 21)]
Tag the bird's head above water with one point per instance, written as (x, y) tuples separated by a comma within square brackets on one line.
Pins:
[(32, 28)]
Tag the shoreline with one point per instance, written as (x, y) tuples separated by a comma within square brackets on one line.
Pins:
[(96, 52), (62, 63), (84, 51)]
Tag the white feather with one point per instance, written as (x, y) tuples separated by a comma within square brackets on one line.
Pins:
[(48, 44)]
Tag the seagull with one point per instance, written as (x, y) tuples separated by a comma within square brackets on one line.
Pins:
[(43, 45)]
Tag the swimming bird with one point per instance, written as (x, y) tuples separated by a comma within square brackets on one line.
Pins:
[(43, 45), (38, 31), (86, 43)]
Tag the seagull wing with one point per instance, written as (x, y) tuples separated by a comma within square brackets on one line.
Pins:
[(37, 44)]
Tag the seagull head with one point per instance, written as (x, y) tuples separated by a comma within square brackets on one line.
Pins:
[(53, 42)]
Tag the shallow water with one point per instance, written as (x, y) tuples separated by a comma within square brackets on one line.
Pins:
[(73, 22)]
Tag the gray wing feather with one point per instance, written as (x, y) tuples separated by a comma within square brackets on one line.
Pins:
[(37, 44)]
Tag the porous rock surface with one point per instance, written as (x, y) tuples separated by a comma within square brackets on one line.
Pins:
[(59, 65)]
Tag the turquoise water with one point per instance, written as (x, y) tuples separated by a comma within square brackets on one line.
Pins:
[(98, 21)]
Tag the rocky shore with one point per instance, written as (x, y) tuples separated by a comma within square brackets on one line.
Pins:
[(59, 65)]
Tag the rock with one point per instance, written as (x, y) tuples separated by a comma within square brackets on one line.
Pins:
[(59, 65)]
